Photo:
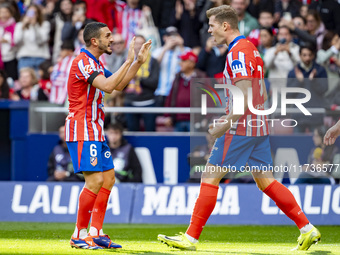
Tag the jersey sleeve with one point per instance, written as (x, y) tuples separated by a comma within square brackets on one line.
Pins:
[(242, 65), (107, 73), (85, 71)]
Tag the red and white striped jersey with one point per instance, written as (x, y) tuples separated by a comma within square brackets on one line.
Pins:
[(59, 79), (131, 19), (85, 121), (244, 62)]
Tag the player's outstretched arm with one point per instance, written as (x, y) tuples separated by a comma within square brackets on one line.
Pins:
[(141, 58), (109, 84), (332, 134), (224, 123)]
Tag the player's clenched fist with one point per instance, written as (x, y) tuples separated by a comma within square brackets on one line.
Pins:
[(144, 52)]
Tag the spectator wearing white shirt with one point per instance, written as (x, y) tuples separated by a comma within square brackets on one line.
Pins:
[(168, 58), (31, 36), (281, 58)]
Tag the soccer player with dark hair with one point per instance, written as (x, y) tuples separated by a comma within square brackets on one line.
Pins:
[(239, 144), (84, 131)]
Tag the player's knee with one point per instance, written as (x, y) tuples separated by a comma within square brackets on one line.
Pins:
[(95, 184), (113, 180), (212, 181)]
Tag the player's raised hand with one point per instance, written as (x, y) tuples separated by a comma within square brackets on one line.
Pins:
[(332, 134), (144, 52), (131, 52)]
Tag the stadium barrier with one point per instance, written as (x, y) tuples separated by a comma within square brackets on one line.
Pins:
[(165, 204)]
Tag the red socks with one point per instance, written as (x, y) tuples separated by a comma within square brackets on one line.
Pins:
[(99, 209), (86, 202), (285, 200), (204, 206)]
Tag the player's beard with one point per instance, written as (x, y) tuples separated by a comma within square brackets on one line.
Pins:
[(104, 47)]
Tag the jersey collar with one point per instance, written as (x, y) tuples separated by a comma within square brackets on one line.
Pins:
[(235, 41), (89, 54)]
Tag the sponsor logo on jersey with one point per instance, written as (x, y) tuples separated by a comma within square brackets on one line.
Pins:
[(237, 66), (107, 154), (93, 161)]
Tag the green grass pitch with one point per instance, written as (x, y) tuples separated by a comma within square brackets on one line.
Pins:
[(53, 238)]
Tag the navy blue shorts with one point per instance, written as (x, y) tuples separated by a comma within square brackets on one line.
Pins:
[(235, 151), (90, 156)]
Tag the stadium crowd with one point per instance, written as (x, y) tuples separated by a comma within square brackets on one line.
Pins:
[(298, 40)]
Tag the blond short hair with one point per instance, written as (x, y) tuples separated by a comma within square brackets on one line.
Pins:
[(32, 73), (224, 13)]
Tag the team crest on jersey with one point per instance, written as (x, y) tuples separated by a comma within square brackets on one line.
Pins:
[(237, 66), (88, 68), (93, 161)]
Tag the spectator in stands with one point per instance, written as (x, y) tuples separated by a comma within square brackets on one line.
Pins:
[(180, 92), (266, 20), (119, 53), (312, 33), (49, 9), (246, 23), (186, 19), (319, 170), (313, 77), (7, 49), (31, 36), (71, 28), (45, 70), (27, 80), (168, 58), (298, 29), (57, 23), (60, 73), (256, 6), (287, 9), (212, 57), (281, 58), (141, 91), (329, 58), (14, 6), (59, 165), (315, 28), (266, 40), (125, 160), (128, 19), (329, 11), (303, 11)]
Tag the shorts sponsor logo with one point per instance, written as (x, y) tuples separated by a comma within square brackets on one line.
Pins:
[(107, 154), (93, 161)]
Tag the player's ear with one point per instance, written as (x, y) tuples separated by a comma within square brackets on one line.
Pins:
[(94, 41), (225, 26)]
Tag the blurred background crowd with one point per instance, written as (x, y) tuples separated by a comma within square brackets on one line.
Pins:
[(298, 40)]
